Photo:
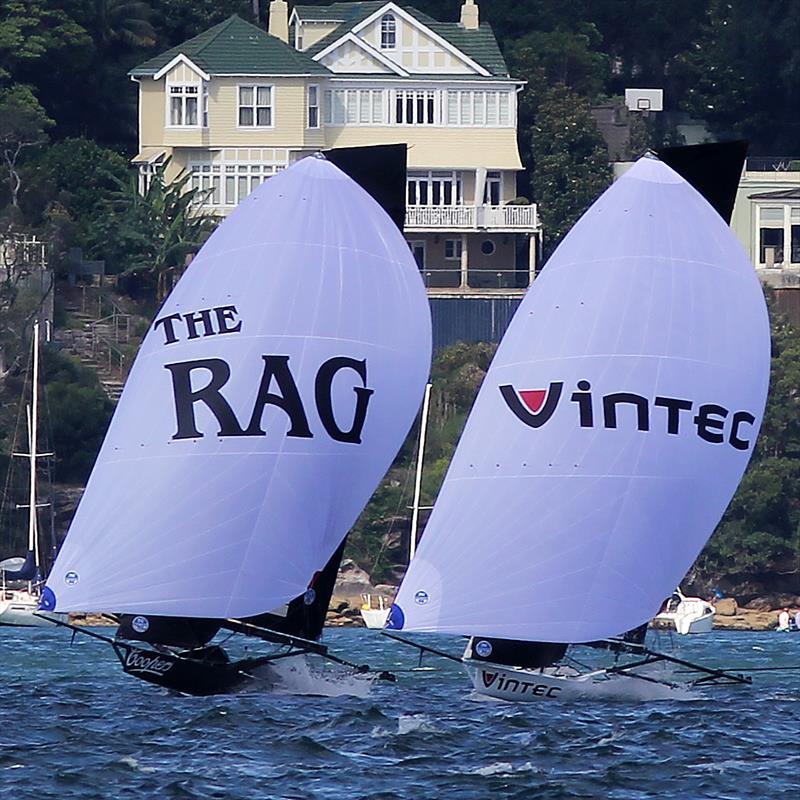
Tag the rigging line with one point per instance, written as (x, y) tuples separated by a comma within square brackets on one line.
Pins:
[(422, 648), (745, 669)]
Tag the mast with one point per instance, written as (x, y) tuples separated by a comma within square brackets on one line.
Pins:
[(32, 435), (418, 479)]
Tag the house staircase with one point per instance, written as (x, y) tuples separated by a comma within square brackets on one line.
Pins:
[(100, 334)]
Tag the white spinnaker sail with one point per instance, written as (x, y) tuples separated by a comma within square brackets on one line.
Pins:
[(327, 299), (577, 529)]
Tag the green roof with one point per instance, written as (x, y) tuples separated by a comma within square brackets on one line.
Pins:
[(479, 45), (236, 47)]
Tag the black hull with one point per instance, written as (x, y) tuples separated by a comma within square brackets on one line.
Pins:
[(199, 673)]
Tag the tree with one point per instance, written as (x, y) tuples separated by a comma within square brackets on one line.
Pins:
[(570, 162), (760, 529), (743, 73), (150, 235), (22, 125)]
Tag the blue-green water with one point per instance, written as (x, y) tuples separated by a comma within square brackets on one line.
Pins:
[(72, 725)]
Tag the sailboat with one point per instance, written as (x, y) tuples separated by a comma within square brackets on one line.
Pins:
[(377, 617), (268, 399), (610, 433), (21, 578)]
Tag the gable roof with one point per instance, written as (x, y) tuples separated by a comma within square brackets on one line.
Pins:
[(235, 47), (479, 45)]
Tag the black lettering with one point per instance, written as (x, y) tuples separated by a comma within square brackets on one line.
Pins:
[(535, 420), (674, 408), (288, 400), (706, 425), (584, 400), (200, 318), (611, 401), (323, 396), (538, 690), (553, 691), (226, 314), (526, 686), (185, 397), (509, 681), (738, 418), (169, 329)]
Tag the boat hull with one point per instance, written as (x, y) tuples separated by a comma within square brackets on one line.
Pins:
[(554, 684), (188, 675), (20, 609), (375, 617)]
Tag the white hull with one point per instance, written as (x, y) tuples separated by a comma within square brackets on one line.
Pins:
[(19, 608), (375, 617), (560, 683), (692, 615)]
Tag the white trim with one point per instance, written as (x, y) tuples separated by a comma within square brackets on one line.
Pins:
[(255, 87), (415, 23), (368, 48), (294, 16), (318, 106), (181, 59), (198, 126)]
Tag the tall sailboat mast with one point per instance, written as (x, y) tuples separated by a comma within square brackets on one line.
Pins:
[(423, 427), (33, 544)]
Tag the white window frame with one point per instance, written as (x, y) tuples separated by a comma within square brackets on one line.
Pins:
[(439, 178), (348, 107), (230, 181), (254, 106), (479, 108), (424, 101), (388, 32), (181, 91), (457, 247), (315, 106)]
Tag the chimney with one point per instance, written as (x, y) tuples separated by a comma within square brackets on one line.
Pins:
[(469, 15), (279, 20)]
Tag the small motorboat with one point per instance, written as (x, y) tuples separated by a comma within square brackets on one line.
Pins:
[(686, 614)]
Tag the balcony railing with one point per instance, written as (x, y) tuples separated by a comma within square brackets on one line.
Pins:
[(521, 218), (476, 278)]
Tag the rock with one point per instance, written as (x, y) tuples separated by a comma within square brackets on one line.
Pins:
[(760, 604), (726, 607)]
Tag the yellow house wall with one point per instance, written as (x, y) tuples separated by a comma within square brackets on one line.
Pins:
[(351, 58), (439, 148), (415, 50), (314, 31)]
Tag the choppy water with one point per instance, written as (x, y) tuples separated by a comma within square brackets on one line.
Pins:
[(73, 726)]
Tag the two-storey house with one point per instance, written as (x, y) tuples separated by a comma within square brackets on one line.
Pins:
[(236, 104)]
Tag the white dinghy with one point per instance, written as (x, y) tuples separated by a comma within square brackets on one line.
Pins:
[(606, 441), (267, 401)]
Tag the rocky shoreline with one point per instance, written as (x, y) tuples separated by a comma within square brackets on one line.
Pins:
[(354, 585)]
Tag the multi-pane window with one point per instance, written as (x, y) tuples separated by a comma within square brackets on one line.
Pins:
[(415, 107), (228, 184), (255, 106), (453, 249), (771, 236), (355, 107), (434, 189), (183, 104), (388, 32), (478, 108), (313, 107)]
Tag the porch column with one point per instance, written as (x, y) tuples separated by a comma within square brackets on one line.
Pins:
[(464, 263), (532, 248)]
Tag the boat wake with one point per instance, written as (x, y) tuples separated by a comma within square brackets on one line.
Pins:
[(298, 676)]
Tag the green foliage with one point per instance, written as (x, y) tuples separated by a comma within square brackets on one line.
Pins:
[(570, 162), (379, 540), (79, 413), (760, 528), (742, 73), (68, 186), (149, 236), (23, 123)]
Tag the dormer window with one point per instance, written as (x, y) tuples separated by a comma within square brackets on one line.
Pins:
[(388, 32)]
